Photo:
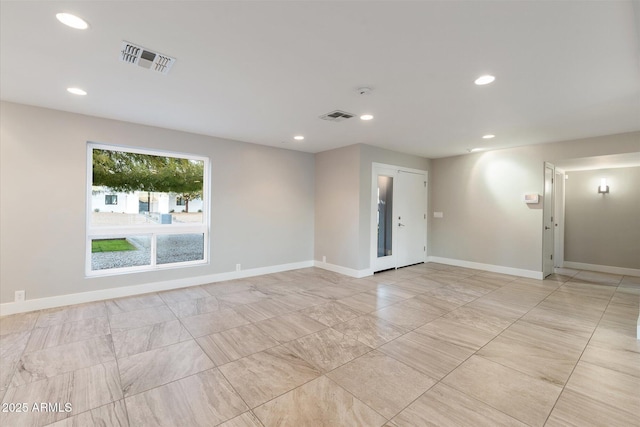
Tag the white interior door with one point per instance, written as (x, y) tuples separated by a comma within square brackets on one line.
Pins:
[(548, 224), (411, 218), (399, 225)]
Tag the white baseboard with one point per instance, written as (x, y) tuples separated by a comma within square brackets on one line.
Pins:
[(602, 268), (531, 274), (358, 274), (125, 291)]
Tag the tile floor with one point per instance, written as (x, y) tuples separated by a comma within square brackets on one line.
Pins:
[(427, 345)]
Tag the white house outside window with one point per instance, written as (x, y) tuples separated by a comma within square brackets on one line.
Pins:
[(134, 220)]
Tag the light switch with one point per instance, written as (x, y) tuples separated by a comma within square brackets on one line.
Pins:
[(438, 215)]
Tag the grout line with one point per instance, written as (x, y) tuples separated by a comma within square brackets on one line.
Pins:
[(474, 353), (581, 354)]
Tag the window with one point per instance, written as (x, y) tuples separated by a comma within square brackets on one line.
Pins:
[(144, 231)]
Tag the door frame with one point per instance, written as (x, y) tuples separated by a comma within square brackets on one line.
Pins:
[(558, 200), (376, 168), (551, 209)]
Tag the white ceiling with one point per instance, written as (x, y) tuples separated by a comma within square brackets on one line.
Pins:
[(264, 71)]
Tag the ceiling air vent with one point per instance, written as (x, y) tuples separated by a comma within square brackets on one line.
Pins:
[(337, 116), (145, 58)]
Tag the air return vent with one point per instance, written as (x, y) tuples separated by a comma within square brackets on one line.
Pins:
[(145, 58), (337, 116)]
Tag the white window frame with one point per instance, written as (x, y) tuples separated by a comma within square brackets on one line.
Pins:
[(153, 231)]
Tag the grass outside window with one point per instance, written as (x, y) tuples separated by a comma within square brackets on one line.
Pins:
[(111, 245)]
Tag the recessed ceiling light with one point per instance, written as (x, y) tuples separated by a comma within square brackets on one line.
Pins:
[(76, 91), (298, 137), (484, 80), (366, 117), (488, 136), (473, 150), (72, 21)]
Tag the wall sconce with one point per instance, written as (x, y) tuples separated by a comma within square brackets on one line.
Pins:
[(603, 188)]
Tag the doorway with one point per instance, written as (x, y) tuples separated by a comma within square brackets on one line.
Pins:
[(399, 217), (548, 224)]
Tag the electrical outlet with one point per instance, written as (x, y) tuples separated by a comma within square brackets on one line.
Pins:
[(238, 267), (324, 258), (20, 296)]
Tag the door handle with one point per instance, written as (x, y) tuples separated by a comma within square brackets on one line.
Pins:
[(400, 224), (547, 228)]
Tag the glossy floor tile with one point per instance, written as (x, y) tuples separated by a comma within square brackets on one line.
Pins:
[(150, 369), (536, 361), (481, 317), (22, 322), (262, 376), (11, 348), (370, 330), (405, 317), (430, 356), (290, 326), (203, 399), (183, 294), (139, 340), (327, 349), (236, 343), (193, 307), (85, 389), (216, 321), (64, 333), (367, 302), (59, 315), (331, 313), (134, 319), (427, 345), (518, 395), (263, 310), (112, 415), (613, 388), (318, 403), (133, 303), (447, 407), (578, 410), (246, 419), (459, 334), (383, 383), (54, 361)]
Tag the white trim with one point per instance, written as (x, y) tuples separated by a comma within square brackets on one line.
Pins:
[(531, 274), (398, 168), (125, 291), (358, 274), (603, 268)]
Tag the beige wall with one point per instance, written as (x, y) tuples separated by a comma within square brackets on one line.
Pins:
[(603, 229), (262, 201), (269, 206), (480, 194), (337, 184)]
